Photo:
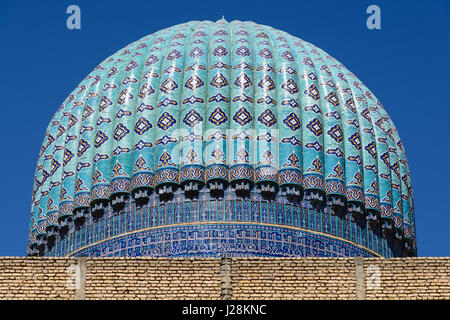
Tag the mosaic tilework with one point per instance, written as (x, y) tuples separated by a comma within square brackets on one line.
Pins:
[(223, 240), (234, 102), (247, 214)]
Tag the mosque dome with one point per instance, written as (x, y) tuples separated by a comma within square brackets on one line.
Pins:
[(221, 138)]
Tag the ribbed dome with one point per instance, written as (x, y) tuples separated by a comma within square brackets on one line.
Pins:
[(217, 105)]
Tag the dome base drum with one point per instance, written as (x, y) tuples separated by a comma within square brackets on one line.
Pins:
[(231, 224)]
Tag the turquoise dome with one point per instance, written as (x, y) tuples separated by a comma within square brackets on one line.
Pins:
[(217, 108)]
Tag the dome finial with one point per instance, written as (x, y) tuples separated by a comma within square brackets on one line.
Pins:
[(222, 20)]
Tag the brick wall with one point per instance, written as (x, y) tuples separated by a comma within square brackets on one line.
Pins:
[(412, 278), (293, 278), (230, 278), (35, 278), (151, 278)]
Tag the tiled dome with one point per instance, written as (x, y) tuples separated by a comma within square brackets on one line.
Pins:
[(213, 108)]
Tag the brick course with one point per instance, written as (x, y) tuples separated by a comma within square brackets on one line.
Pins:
[(231, 278)]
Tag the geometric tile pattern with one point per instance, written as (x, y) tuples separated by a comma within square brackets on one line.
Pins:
[(151, 98)]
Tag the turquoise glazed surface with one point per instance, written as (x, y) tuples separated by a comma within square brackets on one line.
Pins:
[(207, 114)]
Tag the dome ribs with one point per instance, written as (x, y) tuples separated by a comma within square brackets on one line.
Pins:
[(266, 122), (45, 209), (71, 120), (45, 204), (125, 113), (289, 114), (72, 114), (142, 181), (242, 134), (104, 125), (85, 152), (394, 228), (333, 131), (58, 132), (352, 150), (383, 218), (193, 112), (167, 133), (369, 153), (354, 167), (406, 196), (311, 127), (101, 124), (218, 116), (97, 173)]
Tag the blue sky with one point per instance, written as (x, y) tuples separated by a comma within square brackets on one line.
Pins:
[(406, 64)]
